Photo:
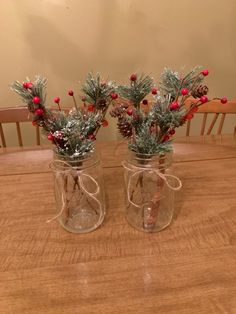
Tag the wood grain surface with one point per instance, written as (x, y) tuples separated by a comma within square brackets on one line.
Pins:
[(26, 160), (190, 267)]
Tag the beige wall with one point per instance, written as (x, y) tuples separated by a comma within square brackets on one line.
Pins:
[(64, 39)]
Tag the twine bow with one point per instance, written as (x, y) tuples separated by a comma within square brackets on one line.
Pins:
[(163, 176), (80, 175)]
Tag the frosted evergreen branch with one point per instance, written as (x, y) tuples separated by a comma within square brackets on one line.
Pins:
[(137, 90), (154, 126), (26, 94), (72, 133), (171, 82), (98, 92)]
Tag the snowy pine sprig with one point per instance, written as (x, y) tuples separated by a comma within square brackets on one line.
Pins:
[(98, 92), (171, 82), (72, 132), (150, 126), (138, 88)]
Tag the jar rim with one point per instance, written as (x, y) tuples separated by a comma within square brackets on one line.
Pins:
[(159, 155), (165, 160), (88, 156), (77, 164)]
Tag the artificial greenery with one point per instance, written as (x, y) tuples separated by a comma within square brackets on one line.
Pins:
[(139, 87), (171, 82), (71, 132), (151, 126), (97, 92)]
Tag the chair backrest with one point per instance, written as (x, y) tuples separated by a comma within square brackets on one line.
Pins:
[(213, 107), (16, 115)]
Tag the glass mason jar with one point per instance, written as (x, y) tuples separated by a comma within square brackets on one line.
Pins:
[(79, 193), (149, 189)]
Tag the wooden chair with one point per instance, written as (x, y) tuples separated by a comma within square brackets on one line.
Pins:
[(16, 115), (219, 110)]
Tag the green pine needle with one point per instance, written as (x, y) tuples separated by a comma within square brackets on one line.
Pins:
[(137, 90)]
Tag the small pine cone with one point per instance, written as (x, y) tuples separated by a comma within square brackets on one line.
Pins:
[(101, 103), (200, 91), (118, 111), (124, 127)]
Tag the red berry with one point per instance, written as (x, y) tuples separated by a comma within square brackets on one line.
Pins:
[(203, 99), (133, 77), (70, 93), (57, 100), (194, 109), (174, 106), (92, 137), (166, 138), (129, 112), (189, 116), (172, 132), (30, 84), (104, 123), (114, 96), (145, 102), (224, 100), (50, 137), (25, 85), (205, 72), (39, 111), (91, 108), (184, 91), (154, 91), (36, 100)]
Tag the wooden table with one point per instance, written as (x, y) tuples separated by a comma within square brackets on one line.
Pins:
[(188, 268)]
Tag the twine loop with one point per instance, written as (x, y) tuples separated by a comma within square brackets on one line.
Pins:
[(140, 170), (79, 175)]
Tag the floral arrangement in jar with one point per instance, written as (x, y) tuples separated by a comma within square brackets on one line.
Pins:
[(78, 183), (150, 129)]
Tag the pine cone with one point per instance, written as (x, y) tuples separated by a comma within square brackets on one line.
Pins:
[(118, 111), (124, 127), (200, 91), (101, 103)]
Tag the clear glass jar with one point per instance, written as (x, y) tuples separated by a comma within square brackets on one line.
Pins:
[(149, 189), (79, 193)]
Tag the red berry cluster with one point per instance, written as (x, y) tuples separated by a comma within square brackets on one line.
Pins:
[(38, 109), (28, 85)]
